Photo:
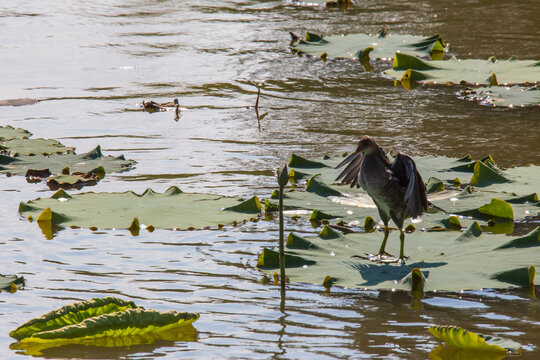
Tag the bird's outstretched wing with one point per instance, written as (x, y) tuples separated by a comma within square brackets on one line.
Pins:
[(350, 174), (404, 169)]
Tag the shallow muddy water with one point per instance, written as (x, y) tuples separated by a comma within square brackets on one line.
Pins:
[(92, 62)]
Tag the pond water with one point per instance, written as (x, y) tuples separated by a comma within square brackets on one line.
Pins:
[(92, 62)]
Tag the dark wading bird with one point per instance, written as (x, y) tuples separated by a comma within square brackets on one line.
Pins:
[(395, 187)]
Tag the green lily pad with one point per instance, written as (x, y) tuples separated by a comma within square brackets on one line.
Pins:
[(515, 96), (84, 163), (8, 133), (464, 339), (448, 260), (364, 46), (408, 67), (171, 209), (513, 188), (15, 147)]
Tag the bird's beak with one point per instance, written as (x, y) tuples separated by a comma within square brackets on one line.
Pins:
[(349, 158)]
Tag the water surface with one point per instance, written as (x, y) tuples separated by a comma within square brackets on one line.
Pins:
[(91, 63)]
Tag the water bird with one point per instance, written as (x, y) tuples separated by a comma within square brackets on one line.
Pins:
[(152, 106), (397, 188)]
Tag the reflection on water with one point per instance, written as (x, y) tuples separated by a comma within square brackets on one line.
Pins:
[(92, 63)]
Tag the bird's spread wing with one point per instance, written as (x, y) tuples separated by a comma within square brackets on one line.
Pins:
[(350, 174), (404, 169)]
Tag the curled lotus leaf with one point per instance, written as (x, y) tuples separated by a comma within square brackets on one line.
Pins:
[(70, 315), (505, 96), (130, 321), (463, 339), (409, 67), (172, 209), (363, 46)]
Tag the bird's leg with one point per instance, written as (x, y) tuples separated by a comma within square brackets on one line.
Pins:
[(383, 245), (402, 256)]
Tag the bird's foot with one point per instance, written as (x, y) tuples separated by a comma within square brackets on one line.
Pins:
[(378, 258), (384, 254), (402, 259)]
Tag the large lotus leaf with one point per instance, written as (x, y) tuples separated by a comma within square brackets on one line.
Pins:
[(70, 315), (8, 132), (363, 46), (128, 322), (408, 67), (171, 209), (93, 159), (515, 96), (448, 260), (498, 194), (464, 339), (33, 147)]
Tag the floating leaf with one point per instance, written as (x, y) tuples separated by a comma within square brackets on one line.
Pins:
[(515, 96), (269, 259), (447, 260), (8, 133), (70, 315), (83, 163), (31, 147), (171, 209), (497, 208), (461, 338), (122, 323), (362, 46), (411, 68)]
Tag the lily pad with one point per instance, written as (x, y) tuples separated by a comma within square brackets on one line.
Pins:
[(513, 190), (31, 147), (515, 96), (9, 132), (172, 209), (448, 260), (409, 67), (99, 322), (460, 338), (364, 46), (84, 163)]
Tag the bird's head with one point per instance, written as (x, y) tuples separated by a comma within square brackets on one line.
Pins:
[(366, 145)]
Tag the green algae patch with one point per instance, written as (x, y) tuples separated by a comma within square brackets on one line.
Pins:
[(409, 67), (504, 96), (363, 46), (105, 322), (172, 209), (460, 338)]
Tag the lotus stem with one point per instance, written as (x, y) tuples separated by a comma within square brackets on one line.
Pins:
[(283, 179)]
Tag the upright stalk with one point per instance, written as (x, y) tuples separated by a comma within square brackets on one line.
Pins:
[(283, 179)]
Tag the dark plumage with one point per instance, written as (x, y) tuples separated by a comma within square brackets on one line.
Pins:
[(396, 187)]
